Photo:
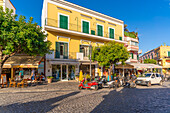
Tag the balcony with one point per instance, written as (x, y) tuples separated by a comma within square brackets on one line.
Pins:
[(76, 30), (68, 56)]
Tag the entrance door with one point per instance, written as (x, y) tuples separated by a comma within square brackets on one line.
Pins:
[(64, 73)]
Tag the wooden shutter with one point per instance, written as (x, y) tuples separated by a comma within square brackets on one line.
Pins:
[(57, 50), (99, 30), (132, 55), (63, 22), (111, 33), (85, 27), (65, 50), (168, 53)]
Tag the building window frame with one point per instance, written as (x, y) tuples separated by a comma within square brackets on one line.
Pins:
[(63, 51), (168, 53), (59, 20)]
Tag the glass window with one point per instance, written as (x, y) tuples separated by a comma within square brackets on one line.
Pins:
[(61, 50)]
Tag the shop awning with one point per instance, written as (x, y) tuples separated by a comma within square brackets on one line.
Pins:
[(138, 66), (23, 61)]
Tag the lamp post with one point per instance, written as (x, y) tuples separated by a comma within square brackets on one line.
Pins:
[(90, 59)]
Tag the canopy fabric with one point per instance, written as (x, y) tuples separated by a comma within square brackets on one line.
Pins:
[(138, 66), (23, 61)]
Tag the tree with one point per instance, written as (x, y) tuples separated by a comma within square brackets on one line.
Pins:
[(20, 37), (150, 61), (109, 54)]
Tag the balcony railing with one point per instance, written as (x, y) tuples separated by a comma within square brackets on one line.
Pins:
[(78, 27), (70, 55)]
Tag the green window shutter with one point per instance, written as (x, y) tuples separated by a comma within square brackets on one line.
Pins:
[(137, 57), (111, 33), (99, 30), (92, 32), (65, 50), (85, 27), (120, 38), (57, 50), (132, 55), (168, 53), (63, 22)]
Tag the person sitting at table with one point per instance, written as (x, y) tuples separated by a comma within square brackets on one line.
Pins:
[(21, 74)]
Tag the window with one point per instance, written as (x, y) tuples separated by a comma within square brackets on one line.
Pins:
[(99, 30), (61, 50), (86, 27), (132, 55), (168, 53), (111, 33), (85, 49), (137, 57), (157, 54), (152, 55), (148, 56), (63, 22), (134, 43)]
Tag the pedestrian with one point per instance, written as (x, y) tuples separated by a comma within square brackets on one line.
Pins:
[(32, 74), (21, 74)]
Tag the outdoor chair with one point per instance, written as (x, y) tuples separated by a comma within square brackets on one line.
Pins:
[(11, 83), (23, 83)]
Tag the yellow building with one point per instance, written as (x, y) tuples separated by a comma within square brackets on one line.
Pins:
[(162, 55), (7, 4), (73, 29)]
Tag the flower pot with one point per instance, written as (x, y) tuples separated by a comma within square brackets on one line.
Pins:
[(49, 80)]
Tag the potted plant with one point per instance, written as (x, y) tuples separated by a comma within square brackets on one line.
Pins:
[(49, 78)]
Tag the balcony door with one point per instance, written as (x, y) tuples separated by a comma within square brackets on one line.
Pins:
[(85, 49), (61, 50)]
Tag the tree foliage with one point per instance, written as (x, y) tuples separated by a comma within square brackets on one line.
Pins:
[(150, 61), (110, 53), (20, 36)]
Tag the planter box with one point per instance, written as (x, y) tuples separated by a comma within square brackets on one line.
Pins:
[(49, 80)]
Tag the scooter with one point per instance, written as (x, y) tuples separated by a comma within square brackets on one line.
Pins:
[(89, 85), (104, 83)]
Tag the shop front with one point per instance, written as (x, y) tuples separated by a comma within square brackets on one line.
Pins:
[(12, 66), (64, 71)]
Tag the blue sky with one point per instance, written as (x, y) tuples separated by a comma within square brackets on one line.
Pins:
[(150, 18)]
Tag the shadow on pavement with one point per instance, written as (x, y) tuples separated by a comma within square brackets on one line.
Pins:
[(128, 100), (35, 106)]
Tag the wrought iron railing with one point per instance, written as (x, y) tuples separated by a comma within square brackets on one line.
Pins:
[(78, 27)]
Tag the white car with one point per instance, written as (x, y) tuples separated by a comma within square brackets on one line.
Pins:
[(149, 79)]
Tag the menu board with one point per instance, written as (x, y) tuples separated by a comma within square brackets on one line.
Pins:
[(3, 79)]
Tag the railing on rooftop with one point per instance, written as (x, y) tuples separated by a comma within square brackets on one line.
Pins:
[(77, 27)]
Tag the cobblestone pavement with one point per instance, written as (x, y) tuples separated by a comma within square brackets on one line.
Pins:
[(65, 97)]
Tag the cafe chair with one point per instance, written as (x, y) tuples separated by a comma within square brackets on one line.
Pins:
[(11, 83), (23, 83)]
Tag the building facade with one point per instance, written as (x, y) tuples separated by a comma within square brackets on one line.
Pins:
[(7, 4), (74, 31), (133, 48), (161, 55)]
